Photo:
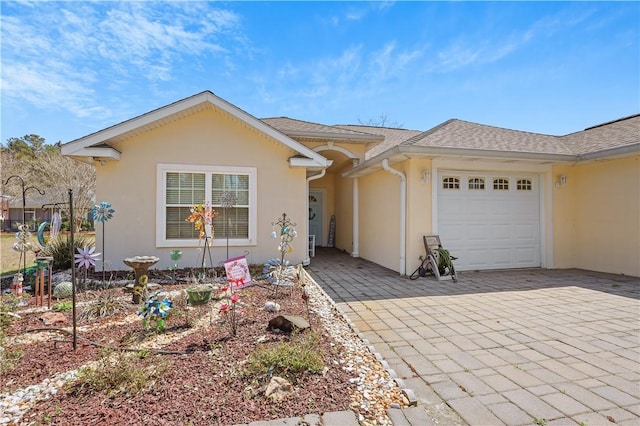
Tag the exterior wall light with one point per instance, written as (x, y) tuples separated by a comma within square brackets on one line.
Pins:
[(562, 181), (426, 176)]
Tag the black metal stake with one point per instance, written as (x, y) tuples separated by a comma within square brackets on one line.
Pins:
[(73, 273)]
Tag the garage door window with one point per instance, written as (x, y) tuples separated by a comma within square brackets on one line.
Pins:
[(451, 183), (476, 183), (500, 184), (524, 185)]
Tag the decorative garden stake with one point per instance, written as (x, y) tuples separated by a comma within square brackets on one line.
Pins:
[(175, 256), (156, 310), (287, 232), (101, 213), (228, 200), (22, 246), (86, 258), (230, 310), (202, 217)]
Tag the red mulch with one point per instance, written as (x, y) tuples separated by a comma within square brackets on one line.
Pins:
[(202, 387)]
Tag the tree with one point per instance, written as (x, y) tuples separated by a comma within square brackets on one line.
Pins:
[(57, 174), (381, 122), (43, 166), (29, 146)]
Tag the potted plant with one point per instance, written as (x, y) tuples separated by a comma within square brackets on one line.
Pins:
[(200, 294)]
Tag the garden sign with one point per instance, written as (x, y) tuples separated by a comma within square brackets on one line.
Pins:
[(237, 271)]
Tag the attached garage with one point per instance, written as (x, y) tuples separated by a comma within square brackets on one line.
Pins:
[(490, 220)]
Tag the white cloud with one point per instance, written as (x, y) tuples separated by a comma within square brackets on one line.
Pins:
[(47, 47)]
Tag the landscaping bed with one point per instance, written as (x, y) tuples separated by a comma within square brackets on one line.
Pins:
[(203, 375)]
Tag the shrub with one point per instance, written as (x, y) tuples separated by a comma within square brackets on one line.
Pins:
[(60, 250), (8, 357), (118, 372), (105, 305), (289, 359)]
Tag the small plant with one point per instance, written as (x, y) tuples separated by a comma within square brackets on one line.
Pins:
[(155, 311), (105, 305), (230, 311), (8, 357), (62, 306), (289, 359), (116, 372), (539, 422)]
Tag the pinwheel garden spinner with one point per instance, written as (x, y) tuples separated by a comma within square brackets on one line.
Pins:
[(101, 213), (86, 258)]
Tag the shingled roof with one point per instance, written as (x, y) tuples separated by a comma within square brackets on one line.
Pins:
[(392, 136), (466, 135), (306, 130), (613, 134)]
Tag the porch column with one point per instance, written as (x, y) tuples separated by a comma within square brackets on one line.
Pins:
[(356, 223)]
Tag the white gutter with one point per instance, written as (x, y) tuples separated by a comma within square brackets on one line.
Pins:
[(307, 260), (403, 211)]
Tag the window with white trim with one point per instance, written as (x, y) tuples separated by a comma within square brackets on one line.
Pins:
[(501, 184), (524, 185), (476, 183), (182, 186), (450, 183)]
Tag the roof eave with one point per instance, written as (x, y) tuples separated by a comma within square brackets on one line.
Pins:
[(611, 153), (309, 163), (400, 152), (334, 136), (74, 147)]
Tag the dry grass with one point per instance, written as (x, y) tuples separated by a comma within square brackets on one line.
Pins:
[(10, 259)]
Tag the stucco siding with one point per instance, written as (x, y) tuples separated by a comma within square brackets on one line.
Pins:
[(597, 217), (379, 216), (209, 137), (419, 216)]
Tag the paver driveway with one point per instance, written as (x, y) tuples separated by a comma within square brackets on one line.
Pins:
[(520, 347)]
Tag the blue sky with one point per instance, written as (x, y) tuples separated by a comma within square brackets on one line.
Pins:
[(73, 68)]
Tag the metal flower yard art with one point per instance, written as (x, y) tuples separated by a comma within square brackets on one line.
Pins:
[(155, 310), (286, 231), (202, 217), (101, 213), (86, 258)]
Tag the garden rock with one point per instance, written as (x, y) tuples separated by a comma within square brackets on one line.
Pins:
[(151, 287), (278, 389), (50, 318), (288, 323), (63, 290), (272, 307)]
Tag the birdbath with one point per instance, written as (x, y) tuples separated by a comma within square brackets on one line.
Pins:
[(140, 265)]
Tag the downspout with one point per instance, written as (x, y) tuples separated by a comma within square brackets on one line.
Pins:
[(307, 260), (403, 211)]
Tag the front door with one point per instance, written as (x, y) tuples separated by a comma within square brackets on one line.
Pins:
[(315, 215)]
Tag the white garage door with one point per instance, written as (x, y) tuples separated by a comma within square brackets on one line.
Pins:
[(490, 220)]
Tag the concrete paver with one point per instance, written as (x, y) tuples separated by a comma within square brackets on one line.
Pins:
[(499, 347)]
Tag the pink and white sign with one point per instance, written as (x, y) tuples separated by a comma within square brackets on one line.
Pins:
[(238, 275)]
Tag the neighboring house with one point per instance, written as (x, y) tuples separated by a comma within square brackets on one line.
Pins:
[(498, 198), (38, 209)]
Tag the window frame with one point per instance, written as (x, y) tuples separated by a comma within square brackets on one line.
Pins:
[(501, 184), (161, 212), (476, 183), (524, 184), (451, 180)]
